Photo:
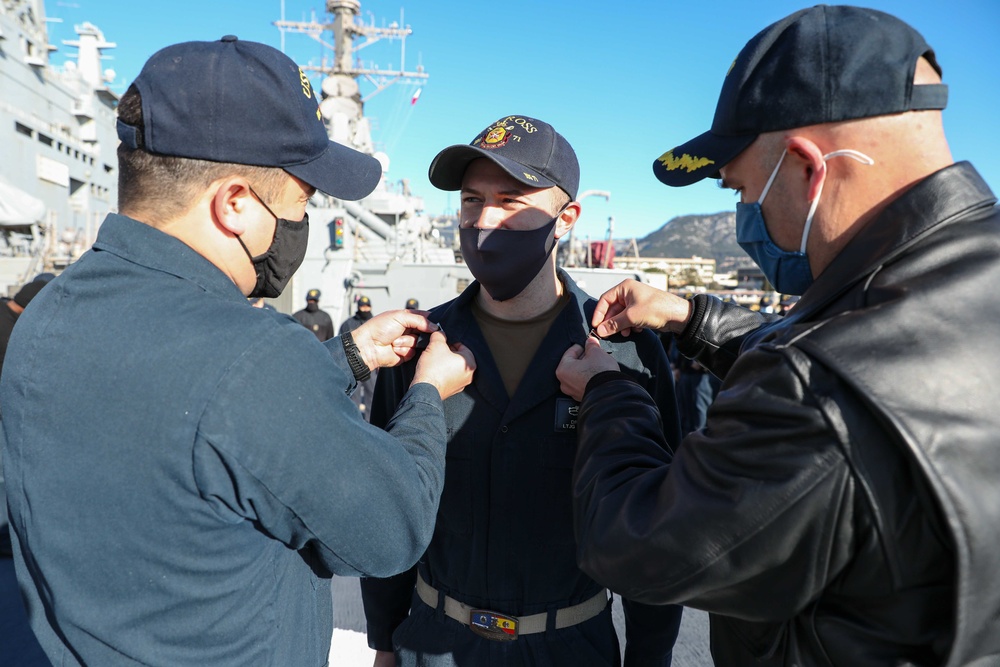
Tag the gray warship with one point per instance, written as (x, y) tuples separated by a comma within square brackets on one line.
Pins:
[(58, 175)]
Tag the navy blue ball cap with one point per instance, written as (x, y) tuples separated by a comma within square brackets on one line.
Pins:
[(312, 295), (28, 292), (43, 277), (530, 150), (819, 65), (689, 163), (245, 103)]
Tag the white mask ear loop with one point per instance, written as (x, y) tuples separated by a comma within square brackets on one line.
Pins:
[(767, 186), (846, 152)]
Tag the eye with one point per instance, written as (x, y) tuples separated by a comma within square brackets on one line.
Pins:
[(722, 185)]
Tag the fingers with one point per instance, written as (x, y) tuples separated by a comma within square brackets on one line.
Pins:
[(436, 338), (612, 302), (405, 347), (579, 364), (438, 345), (611, 313), (591, 346), (601, 310), (620, 323), (449, 368), (414, 319), (416, 339), (574, 352), (466, 353)]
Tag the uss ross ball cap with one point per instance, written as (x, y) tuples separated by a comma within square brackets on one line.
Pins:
[(528, 149), (819, 65), (246, 103)]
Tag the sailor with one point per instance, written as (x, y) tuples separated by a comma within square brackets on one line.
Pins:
[(11, 309), (362, 314), (316, 320), (840, 507), (499, 583), (185, 472)]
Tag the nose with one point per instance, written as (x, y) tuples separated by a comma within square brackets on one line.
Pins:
[(490, 217)]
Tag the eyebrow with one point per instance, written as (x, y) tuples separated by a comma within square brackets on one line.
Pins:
[(510, 191)]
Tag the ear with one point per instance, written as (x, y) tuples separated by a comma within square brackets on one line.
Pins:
[(230, 200), (810, 161), (567, 218)]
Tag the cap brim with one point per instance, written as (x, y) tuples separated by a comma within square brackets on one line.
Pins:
[(340, 172), (702, 157), (448, 168)]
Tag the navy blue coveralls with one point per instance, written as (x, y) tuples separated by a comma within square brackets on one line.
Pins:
[(186, 471), (504, 534)]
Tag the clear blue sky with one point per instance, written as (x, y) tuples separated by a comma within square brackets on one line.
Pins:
[(623, 81)]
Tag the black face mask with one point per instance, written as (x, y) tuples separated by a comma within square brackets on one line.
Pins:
[(504, 261), (364, 315), (275, 267)]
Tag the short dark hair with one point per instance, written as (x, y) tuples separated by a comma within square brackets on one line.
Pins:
[(561, 199), (169, 181)]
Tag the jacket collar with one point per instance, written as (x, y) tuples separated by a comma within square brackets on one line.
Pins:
[(937, 200), (456, 316), (571, 326), (144, 245)]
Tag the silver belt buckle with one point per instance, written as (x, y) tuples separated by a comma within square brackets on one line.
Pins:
[(493, 626)]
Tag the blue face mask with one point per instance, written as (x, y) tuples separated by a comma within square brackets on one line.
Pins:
[(787, 270)]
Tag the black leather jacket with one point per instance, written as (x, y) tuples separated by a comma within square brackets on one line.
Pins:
[(842, 505)]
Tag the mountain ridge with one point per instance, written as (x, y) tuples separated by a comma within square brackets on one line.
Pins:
[(706, 235)]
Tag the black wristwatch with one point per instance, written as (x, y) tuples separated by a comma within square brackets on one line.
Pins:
[(357, 364)]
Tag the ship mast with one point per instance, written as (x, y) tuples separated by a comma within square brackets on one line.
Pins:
[(343, 105)]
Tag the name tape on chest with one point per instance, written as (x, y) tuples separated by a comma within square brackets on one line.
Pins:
[(566, 412)]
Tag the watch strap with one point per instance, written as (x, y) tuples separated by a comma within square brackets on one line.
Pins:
[(358, 366)]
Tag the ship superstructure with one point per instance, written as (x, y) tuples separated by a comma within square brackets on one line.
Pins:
[(58, 172), (385, 245)]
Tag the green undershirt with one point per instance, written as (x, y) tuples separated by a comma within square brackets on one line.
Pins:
[(513, 343)]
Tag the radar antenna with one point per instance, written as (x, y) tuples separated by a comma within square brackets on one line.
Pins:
[(346, 27)]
